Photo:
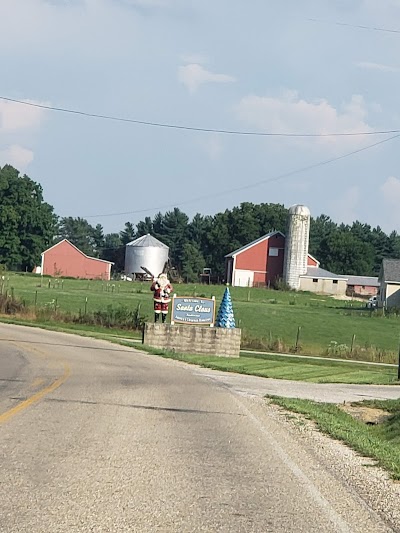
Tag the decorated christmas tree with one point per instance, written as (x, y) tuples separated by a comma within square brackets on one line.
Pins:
[(225, 317)]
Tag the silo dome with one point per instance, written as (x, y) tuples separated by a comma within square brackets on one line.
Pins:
[(148, 252), (299, 209), (296, 246)]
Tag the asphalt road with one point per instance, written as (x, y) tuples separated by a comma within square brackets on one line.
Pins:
[(100, 438)]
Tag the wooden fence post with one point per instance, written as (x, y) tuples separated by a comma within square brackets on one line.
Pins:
[(352, 343), (296, 347)]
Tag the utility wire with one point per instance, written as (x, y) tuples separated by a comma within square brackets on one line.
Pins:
[(250, 185), (349, 25), (198, 129)]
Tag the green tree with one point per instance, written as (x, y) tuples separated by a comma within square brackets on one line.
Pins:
[(27, 223), (219, 243), (114, 251), (79, 232), (98, 239), (271, 217), (243, 224), (198, 228), (346, 254), (174, 233), (383, 245), (128, 234), (320, 229), (192, 262), (144, 227), (394, 245)]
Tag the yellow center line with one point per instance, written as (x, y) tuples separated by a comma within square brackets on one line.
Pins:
[(36, 397)]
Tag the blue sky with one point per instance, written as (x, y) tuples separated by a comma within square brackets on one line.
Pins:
[(225, 64)]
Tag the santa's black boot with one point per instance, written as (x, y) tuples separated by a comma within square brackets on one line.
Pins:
[(164, 318), (156, 317)]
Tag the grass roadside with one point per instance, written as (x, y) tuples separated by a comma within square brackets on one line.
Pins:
[(296, 368), (380, 442), (76, 329), (293, 368)]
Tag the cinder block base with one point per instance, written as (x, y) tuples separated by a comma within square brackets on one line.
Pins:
[(193, 339)]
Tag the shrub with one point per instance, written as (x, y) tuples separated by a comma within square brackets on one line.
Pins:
[(11, 306), (121, 317), (280, 285)]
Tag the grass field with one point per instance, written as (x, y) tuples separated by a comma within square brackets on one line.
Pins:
[(294, 368), (269, 319), (380, 442)]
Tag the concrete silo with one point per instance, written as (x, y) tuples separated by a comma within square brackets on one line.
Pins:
[(296, 245), (146, 252)]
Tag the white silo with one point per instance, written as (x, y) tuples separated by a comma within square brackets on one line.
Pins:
[(296, 246)]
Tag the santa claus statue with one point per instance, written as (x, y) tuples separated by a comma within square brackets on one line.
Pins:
[(162, 289)]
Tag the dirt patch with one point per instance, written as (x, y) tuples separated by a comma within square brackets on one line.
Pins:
[(348, 298), (368, 415)]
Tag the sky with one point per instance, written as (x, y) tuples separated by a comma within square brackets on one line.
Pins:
[(260, 66)]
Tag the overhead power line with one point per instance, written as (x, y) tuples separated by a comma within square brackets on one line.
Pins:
[(349, 25), (250, 185), (198, 129)]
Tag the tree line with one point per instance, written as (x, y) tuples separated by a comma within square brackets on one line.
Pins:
[(28, 226)]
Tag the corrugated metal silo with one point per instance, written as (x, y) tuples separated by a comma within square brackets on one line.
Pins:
[(296, 246), (146, 252)]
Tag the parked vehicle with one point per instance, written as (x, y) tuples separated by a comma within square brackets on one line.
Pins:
[(372, 302)]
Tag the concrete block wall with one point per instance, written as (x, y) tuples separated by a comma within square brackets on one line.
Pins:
[(193, 339)]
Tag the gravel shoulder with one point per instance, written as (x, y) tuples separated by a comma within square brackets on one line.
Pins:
[(370, 482)]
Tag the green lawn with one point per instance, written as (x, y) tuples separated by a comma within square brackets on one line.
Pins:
[(269, 319), (380, 442), (294, 368)]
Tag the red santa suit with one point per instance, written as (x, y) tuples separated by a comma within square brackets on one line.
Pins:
[(162, 289)]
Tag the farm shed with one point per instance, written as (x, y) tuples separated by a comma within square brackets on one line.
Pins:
[(362, 285), (322, 281), (259, 263), (65, 259), (389, 279)]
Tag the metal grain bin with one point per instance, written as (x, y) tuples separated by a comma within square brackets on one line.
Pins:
[(146, 252)]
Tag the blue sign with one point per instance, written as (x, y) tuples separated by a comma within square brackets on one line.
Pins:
[(186, 310)]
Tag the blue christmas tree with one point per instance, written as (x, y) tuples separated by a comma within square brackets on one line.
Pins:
[(226, 318)]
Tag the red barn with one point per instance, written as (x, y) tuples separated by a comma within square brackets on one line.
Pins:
[(65, 259), (362, 285), (260, 262)]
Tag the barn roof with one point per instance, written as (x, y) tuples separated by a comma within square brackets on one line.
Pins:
[(317, 272), (368, 281), (253, 243), (147, 241), (390, 270), (77, 249)]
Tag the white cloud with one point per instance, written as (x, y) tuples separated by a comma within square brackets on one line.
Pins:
[(18, 123), (14, 116), (377, 66), (289, 113), (16, 156), (391, 192), (194, 75)]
